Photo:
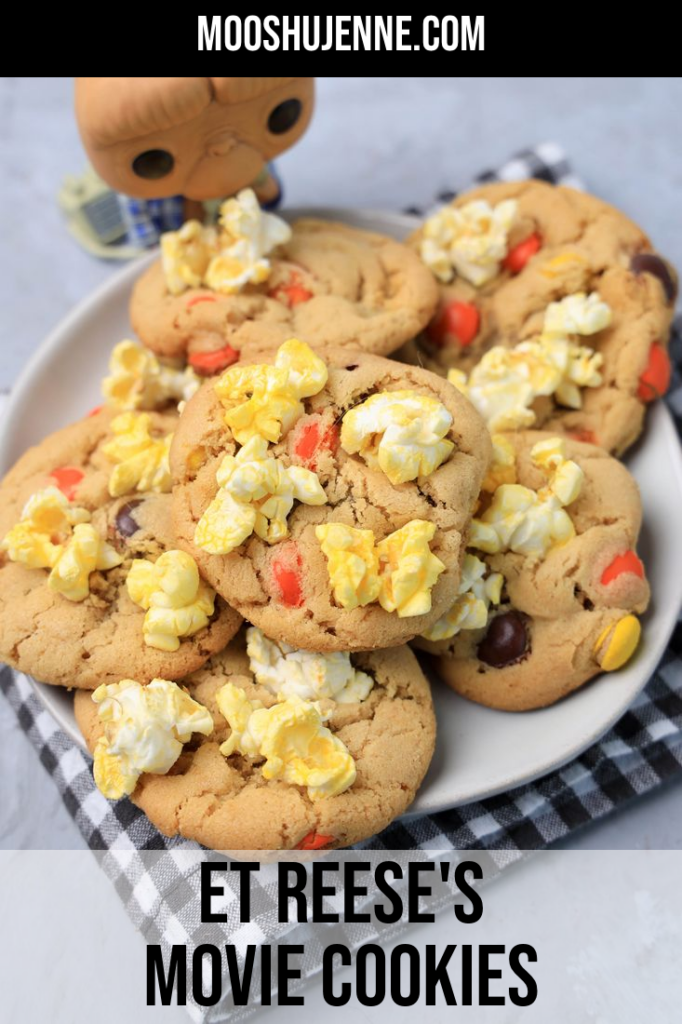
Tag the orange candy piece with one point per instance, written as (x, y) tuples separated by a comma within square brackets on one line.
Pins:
[(196, 299), (67, 479), (655, 380), (314, 841), (458, 319), (310, 441), (292, 293), (628, 562), (286, 574), (588, 436), (208, 363), (516, 258)]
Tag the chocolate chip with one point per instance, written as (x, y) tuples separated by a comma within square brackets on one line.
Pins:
[(353, 366), (650, 263), (505, 642), (125, 523)]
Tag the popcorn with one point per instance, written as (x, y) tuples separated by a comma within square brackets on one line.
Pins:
[(143, 459), (264, 400), (502, 469), (292, 737), (408, 569), (399, 572), (505, 382), (400, 432), (137, 380), (46, 523), (477, 591), (145, 728), (352, 563), (287, 672), (177, 601), (530, 522), (84, 554), (256, 494), (469, 240), (229, 257)]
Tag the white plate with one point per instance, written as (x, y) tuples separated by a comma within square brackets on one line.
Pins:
[(479, 752)]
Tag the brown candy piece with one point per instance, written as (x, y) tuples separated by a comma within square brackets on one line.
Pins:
[(650, 263), (126, 524), (506, 640)]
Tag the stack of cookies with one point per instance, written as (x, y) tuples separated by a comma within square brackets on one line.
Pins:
[(231, 561)]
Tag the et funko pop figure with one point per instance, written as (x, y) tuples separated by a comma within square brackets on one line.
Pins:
[(168, 145)]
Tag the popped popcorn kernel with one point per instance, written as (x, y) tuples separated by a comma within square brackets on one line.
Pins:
[(502, 469), (292, 739), (399, 432), (478, 590), (352, 563), (264, 400), (227, 257), (177, 601), (256, 494), (408, 569), (46, 524), (469, 240), (145, 728), (137, 380), (143, 460), (529, 522), (84, 553), (287, 671)]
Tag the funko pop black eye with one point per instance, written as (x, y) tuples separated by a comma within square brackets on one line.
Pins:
[(153, 163), (284, 116)]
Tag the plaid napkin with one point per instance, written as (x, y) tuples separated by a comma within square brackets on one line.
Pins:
[(160, 893)]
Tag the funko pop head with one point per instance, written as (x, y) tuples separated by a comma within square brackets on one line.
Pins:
[(202, 138)]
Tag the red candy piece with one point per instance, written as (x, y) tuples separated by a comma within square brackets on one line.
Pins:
[(516, 258), (67, 479), (458, 319), (588, 436), (93, 412), (196, 299), (208, 363), (286, 573), (655, 380), (292, 293), (629, 562), (309, 442), (314, 841)]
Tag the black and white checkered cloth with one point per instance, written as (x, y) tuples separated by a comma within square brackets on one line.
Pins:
[(160, 893)]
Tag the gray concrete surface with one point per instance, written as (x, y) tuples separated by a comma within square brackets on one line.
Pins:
[(383, 142)]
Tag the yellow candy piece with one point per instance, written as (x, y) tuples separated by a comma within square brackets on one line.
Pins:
[(83, 554), (352, 563), (408, 569), (265, 400), (617, 643), (470, 610), (143, 460), (400, 432), (256, 494), (145, 728), (469, 240), (292, 737), (46, 523), (177, 601), (226, 258), (137, 380), (555, 266)]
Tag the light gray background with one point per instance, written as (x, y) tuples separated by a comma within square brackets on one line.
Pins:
[(386, 142)]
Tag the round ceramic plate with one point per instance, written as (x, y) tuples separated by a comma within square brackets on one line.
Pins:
[(479, 752)]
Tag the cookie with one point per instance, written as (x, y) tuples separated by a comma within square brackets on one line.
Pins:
[(226, 802), (570, 279), (331, 554), (557, 601), (78, 540), (330, 285)]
